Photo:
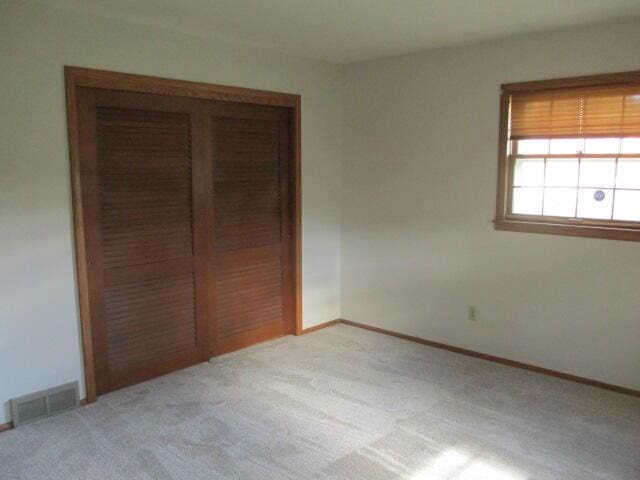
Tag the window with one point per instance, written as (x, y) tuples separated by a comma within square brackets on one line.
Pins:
[(570, 157)]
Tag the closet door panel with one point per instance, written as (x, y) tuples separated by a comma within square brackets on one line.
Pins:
[(251, 232), (187, 216), (147, 315)]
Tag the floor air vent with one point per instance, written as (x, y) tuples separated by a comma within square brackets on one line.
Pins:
[(45, 403)]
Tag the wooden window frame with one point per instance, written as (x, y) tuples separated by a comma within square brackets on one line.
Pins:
[(506, 221), (76, 77)]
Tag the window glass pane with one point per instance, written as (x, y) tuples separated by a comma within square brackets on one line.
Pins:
[(628, 173), (533, 147), (529, 172), (627, 205), (561, 172), (567, 145), (630, 145), (597, 172), (595, 203), (560, 202), (602, 145), (527, 201)]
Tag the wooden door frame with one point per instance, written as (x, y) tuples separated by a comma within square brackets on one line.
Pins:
[(84, 77)]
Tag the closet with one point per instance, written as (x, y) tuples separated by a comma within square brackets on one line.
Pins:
[(185, 212)]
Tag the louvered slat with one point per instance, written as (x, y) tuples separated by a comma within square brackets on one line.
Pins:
[(249, 294), (145, 194), (246, 183), (144, 182), (247, 229)]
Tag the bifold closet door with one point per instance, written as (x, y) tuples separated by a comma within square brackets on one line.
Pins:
[(252, 262), (146, 217)]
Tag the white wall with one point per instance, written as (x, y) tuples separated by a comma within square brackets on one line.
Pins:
[(39, 341), (419, 173), (419, 186)]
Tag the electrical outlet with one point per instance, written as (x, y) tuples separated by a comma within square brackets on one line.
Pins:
[(472, 313)]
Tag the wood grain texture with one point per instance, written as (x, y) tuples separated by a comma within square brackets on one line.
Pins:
[(296, 228), (571, 82), (81, 261), (145, 186), (203, 217), (248, 294), (246, 183), (589, 231), (138, 199), (320, 326), (90, 199), (252, 220), (250, 337), (85, 77), (6, 426), (496, 359), (85, 196), (149, 321), (503, 168)]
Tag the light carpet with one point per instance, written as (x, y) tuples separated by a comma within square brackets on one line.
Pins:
[(340, 403)]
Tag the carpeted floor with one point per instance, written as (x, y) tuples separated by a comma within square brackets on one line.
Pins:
[(341, 403)]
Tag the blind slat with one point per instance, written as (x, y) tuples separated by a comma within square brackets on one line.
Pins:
[(576, 112)]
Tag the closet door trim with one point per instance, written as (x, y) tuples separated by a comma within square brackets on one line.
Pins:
[(76, 77)]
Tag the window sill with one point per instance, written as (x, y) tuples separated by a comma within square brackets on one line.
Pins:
[(573, 230)]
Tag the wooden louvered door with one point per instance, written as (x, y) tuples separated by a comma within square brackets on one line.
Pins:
[(252, 262), (146, 216)]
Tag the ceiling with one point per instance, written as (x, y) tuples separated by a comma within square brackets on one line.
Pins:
[(345, 31)]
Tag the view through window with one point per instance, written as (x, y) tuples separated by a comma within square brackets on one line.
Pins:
[(590, 178)]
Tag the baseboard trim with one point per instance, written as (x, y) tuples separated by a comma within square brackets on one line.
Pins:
[(463, 351), (9, 425), (320, 326), (504, 361)]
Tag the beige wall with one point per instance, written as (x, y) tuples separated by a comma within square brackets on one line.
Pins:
[(39, 343), (419, 185)]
